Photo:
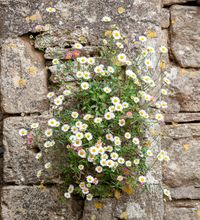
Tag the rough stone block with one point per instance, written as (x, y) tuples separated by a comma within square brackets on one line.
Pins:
[(182, 117), (29, 203), (185, 40), (165, 18), (23, 78), (172, 2), (186, 192), (20, 165)]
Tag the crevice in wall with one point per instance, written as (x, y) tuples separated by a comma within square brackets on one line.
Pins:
[(191, 3)]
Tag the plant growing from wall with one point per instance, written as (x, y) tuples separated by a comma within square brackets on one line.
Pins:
[(97, 135)]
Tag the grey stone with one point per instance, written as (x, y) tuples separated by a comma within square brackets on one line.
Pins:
[(165, 18), (23, 78), (182, 210), (172, 2), (185, 40), (186, 192), (30, 203), (182, 117)]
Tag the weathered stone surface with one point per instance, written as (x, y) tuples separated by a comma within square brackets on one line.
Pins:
[(182, 210), (143, 206), (182, 117), (172, 2), (186, 192), (23, 78), (20, 165), (28, 203), (185, 90), (184, 166), (165, 18), (185, 36)]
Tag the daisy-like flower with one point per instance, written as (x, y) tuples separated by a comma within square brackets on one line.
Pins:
[(67, 92), (34, 125), (106, 19), (55, 61), (91, 60), (74, 114), (50, 9), (118, 107), (87, 117), (38, 156), (71, 188), (85, 85), (121, 160), (109, 137), (94, 150), (120, 178), (50, 95), (114, 156), (166, 158), (39, 173), (109, 115), (116, 34), (122, 122), (142, 113), (103, 162), (82, 60), (136, 99), (163, 104), (86, 75), (115, 100), (78, 46), (110, 69), (48, 132), (47, 144), (160, 157), (159, 117), (148, 63), (128, 163), (23, 132), (166, 80), (97, 120), (136, 161), (167, 193), (67, 195), (58, 101), (107, 89), (98, 169), (82, 153), (136, 141), (85, 190), (98, 69), (149, 153), (150, 50), (127, 135), (125, 104), (163, 49), (142, 38), (79, 74), (74, 129), (88, 136), (52, 122), (89, 197), (110, 163), (81, 167), (90, 179), (77, 142), (47, 165), (164, 92), (120, 45), (121, 57), (79, 135), (84, 127), (142, 179)]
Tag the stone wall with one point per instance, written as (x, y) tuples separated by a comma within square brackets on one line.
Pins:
[(25, 70)]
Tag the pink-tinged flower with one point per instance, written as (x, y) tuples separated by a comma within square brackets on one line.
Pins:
[(129, 114), (96, 181), (126, 171), (39, 28), (29, 139)]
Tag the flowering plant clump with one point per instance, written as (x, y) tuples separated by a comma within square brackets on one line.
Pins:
[(100, 121)]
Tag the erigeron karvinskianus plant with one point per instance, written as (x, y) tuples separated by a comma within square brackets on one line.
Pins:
[(103, 133)]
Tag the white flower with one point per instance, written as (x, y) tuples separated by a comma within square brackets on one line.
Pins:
[(39, 173), (50, 9), (136, 161), (89, 197), (88, 136), (149, 153), (121, 160), (163, 49), (109, 115), (50, 95), (89, 179), (23, 132), (136, 141), (107, 89), (106, 19), (52, 122), (74, 129), (78, 46), (142, 179), (115, 100), (80, 167), (55, 61), (166, 158), (128, 163), (148, 63), (142, 38), (166, 80), (110, 163), (114, 156), (136, 99), (94, 150), (85, 190), (58, 101), (150, 50), (159, 117), (120, 178), (160, 157), (91, 60), (164, 91), (79, 135), (71, 188), (77, 142), (98, 169), (65, 127), (121, 57), (127, 135), (34, 125), (120, 45), (85, 85), (67, 195), (125, 104), (82, 60), (131, 74), (167, 193), (98, 69), (116, 34), (66, 92), (97, 120), (74, 114), (82, 153), (38, 155), (47, 165), (110, 69), (48, 132), (163, 104), (122, 122), (142, 113), (118, 107), (86, 75), (47, 144), (79, 74)]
